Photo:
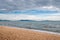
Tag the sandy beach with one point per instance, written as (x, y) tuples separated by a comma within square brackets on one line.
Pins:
[(8, 33)]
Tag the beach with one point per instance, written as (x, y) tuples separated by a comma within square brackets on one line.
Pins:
[(10, 33)]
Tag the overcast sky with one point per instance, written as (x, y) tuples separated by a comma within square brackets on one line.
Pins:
[(27, 4), (30, 9)]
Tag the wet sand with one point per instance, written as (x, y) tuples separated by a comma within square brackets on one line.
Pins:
[(9, 33)]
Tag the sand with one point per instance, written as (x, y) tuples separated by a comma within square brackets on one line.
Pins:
[(8, 33)]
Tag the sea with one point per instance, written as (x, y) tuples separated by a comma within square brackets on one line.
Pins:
[(53, 26)]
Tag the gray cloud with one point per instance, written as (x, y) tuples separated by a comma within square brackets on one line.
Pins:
[(27, 4)]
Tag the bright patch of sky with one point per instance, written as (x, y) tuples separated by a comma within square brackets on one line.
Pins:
[(29, 17), (3, 9), (9, 0)]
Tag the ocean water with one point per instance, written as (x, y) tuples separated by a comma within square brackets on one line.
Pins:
[(53, 26)]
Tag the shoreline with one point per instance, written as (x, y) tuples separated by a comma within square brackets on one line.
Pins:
[(33, 30), (14, 33)]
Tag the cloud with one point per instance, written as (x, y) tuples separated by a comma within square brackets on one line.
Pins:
[(3, 9), (9, 5), (28, 17), (9, 0), (50, 7), (27, 4)]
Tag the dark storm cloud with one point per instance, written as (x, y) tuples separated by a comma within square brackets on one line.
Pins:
[(26, 4)]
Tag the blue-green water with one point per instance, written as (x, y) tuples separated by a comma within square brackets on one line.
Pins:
[(39, 25)]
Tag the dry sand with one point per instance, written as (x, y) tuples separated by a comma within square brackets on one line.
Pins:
[(7, 33)]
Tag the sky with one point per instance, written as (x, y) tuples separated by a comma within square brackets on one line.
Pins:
[(30, 10)]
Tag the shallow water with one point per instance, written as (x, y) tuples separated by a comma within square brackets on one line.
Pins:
[(39, 25)]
